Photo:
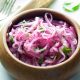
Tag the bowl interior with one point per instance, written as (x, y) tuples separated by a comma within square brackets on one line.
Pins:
[(40, 12)]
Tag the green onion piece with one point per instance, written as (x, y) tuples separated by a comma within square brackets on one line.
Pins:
[(66, 50), (11, 39), (40, 61), (70, 7)]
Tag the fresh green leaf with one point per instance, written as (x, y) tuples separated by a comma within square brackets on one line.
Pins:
[(66, 50), (71, 7), (76, 7), (11, 39)]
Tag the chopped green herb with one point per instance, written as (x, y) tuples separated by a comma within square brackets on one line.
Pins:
[(41, 29), (40, 61), (11, 39), (71, 6), (66, 50)]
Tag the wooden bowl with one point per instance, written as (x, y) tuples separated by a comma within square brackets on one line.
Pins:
[(24, 71)]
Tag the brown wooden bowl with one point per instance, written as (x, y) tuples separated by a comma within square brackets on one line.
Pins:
[(24, 71)]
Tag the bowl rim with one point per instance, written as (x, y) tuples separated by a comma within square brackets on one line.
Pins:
[(41, 67)]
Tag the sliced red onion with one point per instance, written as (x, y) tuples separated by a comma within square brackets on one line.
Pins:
[(40, 38), (63, 56), (48, 20)]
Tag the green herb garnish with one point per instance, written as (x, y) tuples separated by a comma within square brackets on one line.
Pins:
[(11, 39), (66, 50), (41, 29), (71, 6), (40, 61)]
